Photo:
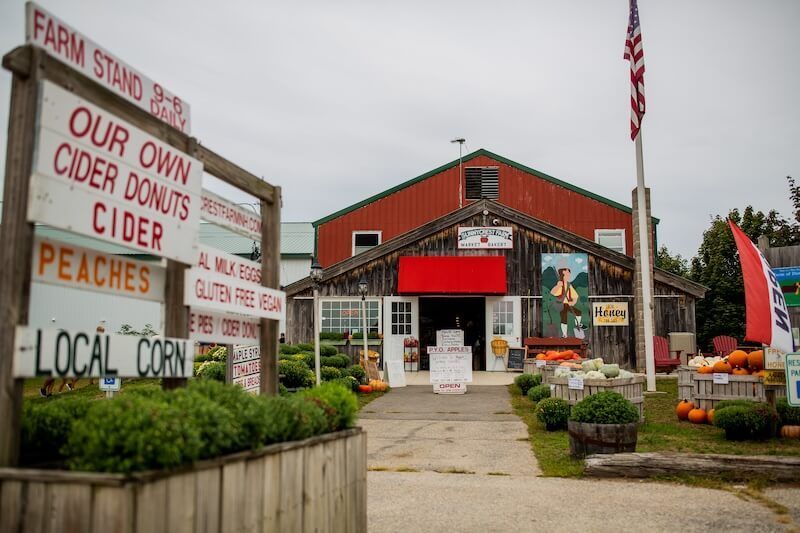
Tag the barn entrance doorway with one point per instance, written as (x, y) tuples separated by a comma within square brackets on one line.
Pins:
[(449, 312)]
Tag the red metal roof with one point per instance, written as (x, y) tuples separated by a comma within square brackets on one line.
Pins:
[(452, 275)]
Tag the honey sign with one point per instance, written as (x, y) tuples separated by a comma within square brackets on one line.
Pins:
[(609, 313)]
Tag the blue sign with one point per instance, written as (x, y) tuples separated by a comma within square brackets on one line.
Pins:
[(110, 384)]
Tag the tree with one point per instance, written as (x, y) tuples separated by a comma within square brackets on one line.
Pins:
[(717, 266), (675, 264)]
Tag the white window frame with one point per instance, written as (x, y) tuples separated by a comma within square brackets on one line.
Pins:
[(352, 299), (379, 233), (611, 232)]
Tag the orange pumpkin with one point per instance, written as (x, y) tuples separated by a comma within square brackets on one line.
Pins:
[(366, 389), (740, 372), (698, 416), (683, 409), (738, 359), (791, 432), (706, 369), (756, 360), (710, 416), (759, 373), (721, 367), (540, 356)]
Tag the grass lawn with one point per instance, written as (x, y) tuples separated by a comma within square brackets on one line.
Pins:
[(364, 399), (661, 432), (82, 389)]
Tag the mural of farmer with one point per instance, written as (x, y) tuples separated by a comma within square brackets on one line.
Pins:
[(566, 307)]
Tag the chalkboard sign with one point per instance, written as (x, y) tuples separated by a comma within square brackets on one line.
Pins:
[(516, 358)]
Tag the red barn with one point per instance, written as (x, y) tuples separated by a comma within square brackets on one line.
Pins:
[(485, 175), (493, 250)]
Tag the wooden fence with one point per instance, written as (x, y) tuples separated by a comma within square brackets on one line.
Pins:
[(318, 484)]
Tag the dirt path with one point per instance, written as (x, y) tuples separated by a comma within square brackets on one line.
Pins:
[(463, 463)]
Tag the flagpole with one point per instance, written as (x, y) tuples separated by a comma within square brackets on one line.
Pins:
[(647, 272)]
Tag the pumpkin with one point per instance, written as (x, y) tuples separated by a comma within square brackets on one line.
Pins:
[(740, 372), (540, 356), (683, 409), (710, 416), (706, 369), (737, 359), (721, 367), (697, 416), (366, 389), (756, 360), (759, 373), (790, 432)]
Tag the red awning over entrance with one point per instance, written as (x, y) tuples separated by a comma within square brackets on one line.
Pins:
[(452, 275)]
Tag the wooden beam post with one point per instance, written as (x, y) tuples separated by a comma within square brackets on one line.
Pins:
[(16, 247), (176, 314), (270, 277)]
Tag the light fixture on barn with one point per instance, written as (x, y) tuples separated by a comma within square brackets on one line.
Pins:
[(460, 141), (316, 278), (363, 287)]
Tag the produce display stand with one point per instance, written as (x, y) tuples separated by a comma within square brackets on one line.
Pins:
[(701, 389), (547, 370), (631, 389), (542, 344), (411, 358)]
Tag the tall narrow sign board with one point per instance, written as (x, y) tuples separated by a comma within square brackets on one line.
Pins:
[(99, 176), (87, 57)]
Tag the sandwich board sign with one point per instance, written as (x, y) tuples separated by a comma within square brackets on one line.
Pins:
[(395, 373)]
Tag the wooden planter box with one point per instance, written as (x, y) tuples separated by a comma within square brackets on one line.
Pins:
[(701, 389), (546, 371), (318, 484), (631, 389)]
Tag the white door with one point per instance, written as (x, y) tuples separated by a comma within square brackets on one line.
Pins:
[(504, 321), (400, 320)]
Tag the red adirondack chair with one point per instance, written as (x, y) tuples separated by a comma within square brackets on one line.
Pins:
[(724, 345), (662, 356)]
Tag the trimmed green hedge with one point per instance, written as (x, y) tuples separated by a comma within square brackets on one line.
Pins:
[(606, 408), (155, 429), (539, 392), (751, 421), (526, 382)]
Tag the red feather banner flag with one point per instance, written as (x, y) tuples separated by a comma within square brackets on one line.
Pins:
[(767, 318)]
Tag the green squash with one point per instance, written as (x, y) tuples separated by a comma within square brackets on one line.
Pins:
[(610, 371)]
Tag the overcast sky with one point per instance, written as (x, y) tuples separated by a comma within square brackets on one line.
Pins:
[(336, 101)]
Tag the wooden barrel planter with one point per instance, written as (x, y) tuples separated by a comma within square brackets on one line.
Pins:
[(317, 484), (586, 439)]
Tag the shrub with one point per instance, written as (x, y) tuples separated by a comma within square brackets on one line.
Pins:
[(327, 350), (310, 417), (282, 390), (605, 408), (526, 382), (357, 372), (218, 353), (336, 361), (218, 428), (286, 357), (733, 403), (212, 370), (46, 426), (341, 399), (539, 392), (307, 358), (328, 373), (349, 382), (756, 421), (131, 433), (788, 415), (202, 358), (305, 347), (289, 349), (553, 413), (239, 403), (331, 336), (370, 335), (295, 374)]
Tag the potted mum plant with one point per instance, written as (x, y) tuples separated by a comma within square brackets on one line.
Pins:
[(603, 423)]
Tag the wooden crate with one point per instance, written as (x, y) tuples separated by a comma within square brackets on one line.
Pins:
[(701, 389), (630, 388), (547, 371)]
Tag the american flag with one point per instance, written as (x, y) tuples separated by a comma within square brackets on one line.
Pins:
[(634, 52)]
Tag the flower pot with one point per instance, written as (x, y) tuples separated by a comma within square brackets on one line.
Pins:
[(586, 439)]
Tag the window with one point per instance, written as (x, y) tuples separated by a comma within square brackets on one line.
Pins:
[(364, 240), (503, 317), (611, 238), (345, 315), (482, 182), (401, 318)]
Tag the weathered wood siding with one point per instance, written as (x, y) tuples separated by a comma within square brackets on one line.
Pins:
[(316, 485), (523, 272)]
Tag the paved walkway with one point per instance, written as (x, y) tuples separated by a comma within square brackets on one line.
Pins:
[(459, 463)]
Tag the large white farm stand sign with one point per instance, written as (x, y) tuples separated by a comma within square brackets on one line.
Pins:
[(84, 55), (96, 148), (96, 175)]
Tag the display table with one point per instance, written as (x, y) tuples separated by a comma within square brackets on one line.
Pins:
[(543, 344)]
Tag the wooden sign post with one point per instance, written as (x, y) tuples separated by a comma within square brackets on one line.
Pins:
[(152, 132)]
